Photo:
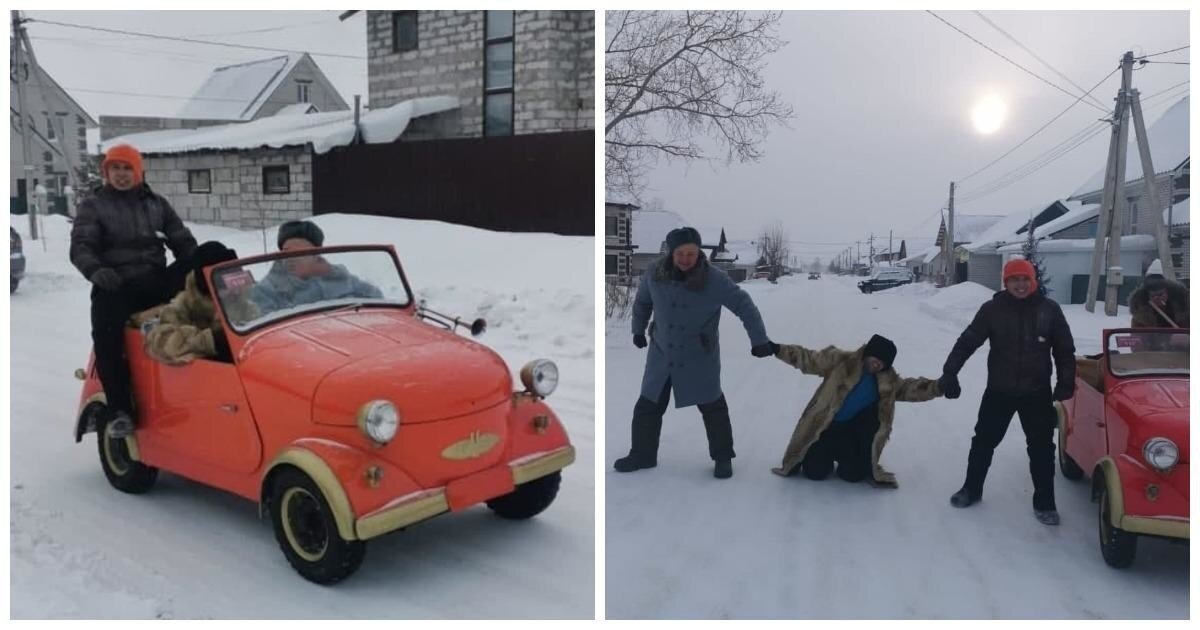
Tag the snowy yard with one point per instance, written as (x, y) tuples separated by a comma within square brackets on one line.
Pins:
[(80, 549), (680, 544)]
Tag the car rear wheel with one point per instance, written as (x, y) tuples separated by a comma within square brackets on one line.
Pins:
[(121, 470), (307, 531), (1070, 469), (1116, 545), (528, 499)]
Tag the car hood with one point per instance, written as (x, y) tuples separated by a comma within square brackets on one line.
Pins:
[(1155, 407), (342, 360)]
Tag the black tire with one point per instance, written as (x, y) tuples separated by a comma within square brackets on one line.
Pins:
[(12, 285), (1116, 545), (1069, 468), (122, 472), (528, 499), (307, 531)]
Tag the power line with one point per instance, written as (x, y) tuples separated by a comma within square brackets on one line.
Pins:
[(1173, 63), (1034, 55), (193, 41), (1040, 129), (1163, 52), (998, 54)]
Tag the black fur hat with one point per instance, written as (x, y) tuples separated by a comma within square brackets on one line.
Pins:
[(207, 254), (682, 236), (881, 348), (306, 230)]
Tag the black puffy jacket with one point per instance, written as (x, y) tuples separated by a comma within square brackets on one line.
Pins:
[(1024, 333), (126, 231)]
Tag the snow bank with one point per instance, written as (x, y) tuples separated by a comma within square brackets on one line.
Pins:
[(956, 304)]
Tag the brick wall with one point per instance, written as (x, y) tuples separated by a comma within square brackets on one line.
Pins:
[(237, 198)]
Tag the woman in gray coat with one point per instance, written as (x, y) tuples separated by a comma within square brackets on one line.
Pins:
[(686, 294)]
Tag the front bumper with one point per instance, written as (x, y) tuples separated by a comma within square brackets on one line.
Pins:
[(16, 265), (423, 505)]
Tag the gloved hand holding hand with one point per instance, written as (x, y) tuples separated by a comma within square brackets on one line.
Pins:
[(765, 349), (949, 386), (106, 278), (639, 341), (1064, 391)]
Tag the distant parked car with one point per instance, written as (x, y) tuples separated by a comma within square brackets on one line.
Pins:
[(1127, 429), (885, 279), (16, 258), (760, 275), (814, 275)]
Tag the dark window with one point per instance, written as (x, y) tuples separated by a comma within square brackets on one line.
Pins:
[(498, 62), (302, 91), (610, 264), (50, 128), (200, 181), (276, 180), (610, 226), (47, 156), (404, 31), (83, 145), (79, 120)]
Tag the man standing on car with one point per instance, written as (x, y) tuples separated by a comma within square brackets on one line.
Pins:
[(686, 294), (1025, 329), (117, 244)]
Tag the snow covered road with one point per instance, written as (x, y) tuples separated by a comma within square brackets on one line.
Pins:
[(79, 548), (680, 544)]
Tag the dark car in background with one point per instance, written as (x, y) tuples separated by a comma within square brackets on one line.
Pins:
[(16, 258), (886, 278)]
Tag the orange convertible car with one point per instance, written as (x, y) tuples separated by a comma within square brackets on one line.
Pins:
[(346, 410)]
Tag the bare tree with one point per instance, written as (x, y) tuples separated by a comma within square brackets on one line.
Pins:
[(816, 264), (671, 77), (772, 250)]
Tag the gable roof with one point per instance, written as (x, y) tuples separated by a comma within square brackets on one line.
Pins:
[(649, 229), (968, 227), (238, 91), (55, 89), (1168, 138), (1011, 228)]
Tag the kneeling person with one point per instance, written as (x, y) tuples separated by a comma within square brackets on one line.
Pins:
[(849, 419)]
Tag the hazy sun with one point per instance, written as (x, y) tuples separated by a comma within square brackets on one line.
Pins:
[(988, 114)]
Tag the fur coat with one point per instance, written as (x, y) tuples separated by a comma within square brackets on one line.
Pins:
[(841, 370)]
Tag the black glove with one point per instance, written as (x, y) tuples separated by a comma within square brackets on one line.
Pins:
[(949, 386), (765, 349), (1064, 391), (639, 341), (106, 279)]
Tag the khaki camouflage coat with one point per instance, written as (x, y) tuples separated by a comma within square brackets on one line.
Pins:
[(841, 370)]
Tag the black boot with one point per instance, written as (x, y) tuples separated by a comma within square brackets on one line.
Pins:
[(632, 462), (964, 498), (723, 469)]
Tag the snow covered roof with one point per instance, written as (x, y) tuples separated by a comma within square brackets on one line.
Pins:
[(649, 229), (1168, 147), (924, 257), (296, 109), (1077, 213), (1005, 230), (238, 91), (1129, 241), (968, 227), (324, 130)]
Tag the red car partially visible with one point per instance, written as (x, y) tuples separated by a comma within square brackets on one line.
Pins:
[(1127, 430)]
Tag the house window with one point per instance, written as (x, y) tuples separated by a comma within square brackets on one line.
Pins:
[(404, 31), (498, 73), (47, 156), (50, 128), (610, 226), (83, 145), (276, 180), (610, 264), (200, 181), (1131, 221), (302, 91)]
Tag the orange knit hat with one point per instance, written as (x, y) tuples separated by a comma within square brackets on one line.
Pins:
[(1021, 267), (127, 154)]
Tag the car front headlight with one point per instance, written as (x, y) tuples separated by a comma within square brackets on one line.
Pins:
[(540, 377), (378, 420), (1160, 453)]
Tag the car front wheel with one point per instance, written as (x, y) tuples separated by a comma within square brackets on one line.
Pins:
[(528, 499), (121, 470), (307, 531), (1116, 545)]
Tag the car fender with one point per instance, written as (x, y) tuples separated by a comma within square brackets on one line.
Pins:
[(1108, 473), (306, 457), (534, 429)]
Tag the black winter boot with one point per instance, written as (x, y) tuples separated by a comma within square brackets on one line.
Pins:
[(632, 462), (964, 498), (723, 469)]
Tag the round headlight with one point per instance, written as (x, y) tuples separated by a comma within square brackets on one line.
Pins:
[(379, 420), (540, 377), (1160, 453)]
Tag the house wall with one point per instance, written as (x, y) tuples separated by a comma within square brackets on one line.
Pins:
[(985, 269), (616, 245), (553, 67), (1086, 229), (49, 164), (1061, 267), (237, 198), (320, 92)]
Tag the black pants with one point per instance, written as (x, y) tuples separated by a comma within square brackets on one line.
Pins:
[(1038, 420), (110, 311), (848, 444), (647, 426)]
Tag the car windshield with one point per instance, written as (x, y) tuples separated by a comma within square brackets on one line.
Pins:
[(1142, 353), (258, 293)]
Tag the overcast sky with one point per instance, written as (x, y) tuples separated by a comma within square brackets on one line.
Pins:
[(883, 102), (155, 77)]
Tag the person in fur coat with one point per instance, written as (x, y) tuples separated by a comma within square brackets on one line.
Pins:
[(1170, 297), (849, 418)]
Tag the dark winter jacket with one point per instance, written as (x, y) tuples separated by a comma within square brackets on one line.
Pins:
[(126, 231), (282, 289), (1143, 314), (1024, 334), (684, 343)]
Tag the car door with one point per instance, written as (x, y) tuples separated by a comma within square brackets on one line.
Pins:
[(1086, 441)]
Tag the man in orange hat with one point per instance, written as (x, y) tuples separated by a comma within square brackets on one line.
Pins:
[(1025, 329), (117, 244)]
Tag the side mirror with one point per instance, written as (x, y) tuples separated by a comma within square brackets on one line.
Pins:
[(478, 327)]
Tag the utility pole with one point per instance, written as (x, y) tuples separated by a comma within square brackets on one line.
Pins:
[(950, 239), (1112, 209), (871, 250), (21, 68), (1148, 177), (889, 246), (858, 257)]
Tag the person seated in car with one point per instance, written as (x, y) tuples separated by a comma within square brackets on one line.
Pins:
[(306, 279), (188, 327)]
